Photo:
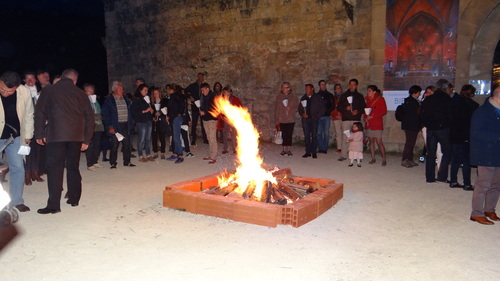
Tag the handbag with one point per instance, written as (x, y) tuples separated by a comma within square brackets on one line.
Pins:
[(278, 137)]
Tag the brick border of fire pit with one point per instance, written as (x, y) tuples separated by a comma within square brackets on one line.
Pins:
[(187, 196)]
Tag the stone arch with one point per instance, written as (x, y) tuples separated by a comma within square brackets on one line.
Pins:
[(477, 38), (483, 48)]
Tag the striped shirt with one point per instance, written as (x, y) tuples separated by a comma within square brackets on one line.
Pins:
[(121, 107)]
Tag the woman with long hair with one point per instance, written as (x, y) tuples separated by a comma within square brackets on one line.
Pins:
[(142, 113), (374, 121)]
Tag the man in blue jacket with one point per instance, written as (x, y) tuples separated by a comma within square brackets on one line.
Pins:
[(115, 114), (484, 152)]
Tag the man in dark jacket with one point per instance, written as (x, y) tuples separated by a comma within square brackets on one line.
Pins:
[(64, 122), (194, 94), (311, 108), (484, 152), (352, 106), (411, 125), (324, 121), (436, 116), (207, 106), (116, 117)]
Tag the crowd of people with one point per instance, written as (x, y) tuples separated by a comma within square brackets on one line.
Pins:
[(58, 120)]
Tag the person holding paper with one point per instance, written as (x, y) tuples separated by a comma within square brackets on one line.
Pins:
[(92, 152), (285, 110), (207, 106), (177, 105), (375, 111), (115, 113), (16, 120), (352, 106), (142, 113), (311, 109), (64, 122), (160, 126), (34, 162), (194, 94)]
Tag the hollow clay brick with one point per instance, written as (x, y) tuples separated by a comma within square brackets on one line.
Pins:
[(256, 213)]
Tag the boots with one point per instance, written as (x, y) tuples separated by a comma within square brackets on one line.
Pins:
[(27, 178), (36, 176)]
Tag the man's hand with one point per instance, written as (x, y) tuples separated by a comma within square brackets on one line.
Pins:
[(354, 112), (112, 131), (41, 142), (27, 141), (84, 147)]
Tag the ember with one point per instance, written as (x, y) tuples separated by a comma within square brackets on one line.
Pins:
[(284, 191)]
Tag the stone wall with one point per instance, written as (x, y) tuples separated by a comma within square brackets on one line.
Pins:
[(255, 45), (252, 45)]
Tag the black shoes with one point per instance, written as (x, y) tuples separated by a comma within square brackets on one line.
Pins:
[(342, 158), (22, 208), (456, 185), (468, 187), (322, 151), (306, 155), (45, 211), (129, 165), (72, 204), (113, 166), (315, 155), (443, 181)]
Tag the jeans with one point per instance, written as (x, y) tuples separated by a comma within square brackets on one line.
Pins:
[(441, 136), (460, 156), (144, 138), (176, 135), (310, 128), (323, 132), (59, 155), (16, 169)]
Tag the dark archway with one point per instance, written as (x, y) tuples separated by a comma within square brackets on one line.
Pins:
[(495, 79)]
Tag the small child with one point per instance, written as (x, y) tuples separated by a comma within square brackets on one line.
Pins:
[(356, 144)]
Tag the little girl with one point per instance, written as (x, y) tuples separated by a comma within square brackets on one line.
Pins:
[(356, 144)]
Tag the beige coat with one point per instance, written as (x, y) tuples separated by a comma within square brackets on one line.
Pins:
[(25, 110)]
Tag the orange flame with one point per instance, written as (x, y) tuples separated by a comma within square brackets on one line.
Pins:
[(249, 172)]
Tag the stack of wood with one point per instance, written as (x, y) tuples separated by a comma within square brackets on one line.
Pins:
[(285, 191)]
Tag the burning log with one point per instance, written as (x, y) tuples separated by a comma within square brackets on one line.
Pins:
[(290, 192), (278, 197), (283, 174), (226, 190), (313, 186)]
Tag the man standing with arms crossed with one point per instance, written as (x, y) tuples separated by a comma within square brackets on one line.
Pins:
[(65, 111)]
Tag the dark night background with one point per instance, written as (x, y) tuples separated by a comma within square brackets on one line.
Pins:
[(54, 35)]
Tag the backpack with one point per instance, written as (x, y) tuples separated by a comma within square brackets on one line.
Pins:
[(400, 112)]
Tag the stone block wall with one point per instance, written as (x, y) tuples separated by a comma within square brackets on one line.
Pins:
[(255, 45), (252, 45)]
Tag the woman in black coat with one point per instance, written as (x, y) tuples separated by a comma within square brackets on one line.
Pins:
[(411, 125)]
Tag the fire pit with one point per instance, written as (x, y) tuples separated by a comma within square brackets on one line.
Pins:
[(188, 196), (251, 193)]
